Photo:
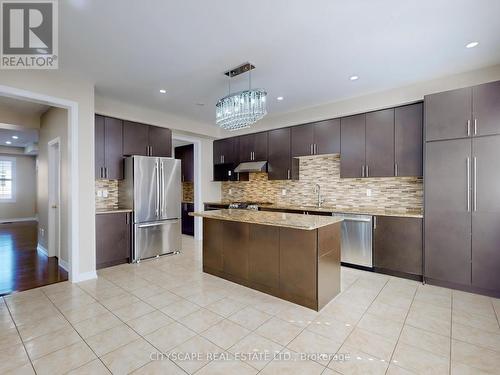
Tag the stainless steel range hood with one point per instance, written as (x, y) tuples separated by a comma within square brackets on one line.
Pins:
[(252, 166)]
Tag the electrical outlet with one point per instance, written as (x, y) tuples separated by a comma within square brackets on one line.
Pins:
[(99, 193), (42, 232), (283, 191), (368, 192), (105, 193)]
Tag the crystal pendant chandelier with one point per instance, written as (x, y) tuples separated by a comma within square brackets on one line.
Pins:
[(241, 109)]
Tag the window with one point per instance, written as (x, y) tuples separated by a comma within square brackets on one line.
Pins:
[(7, 179)]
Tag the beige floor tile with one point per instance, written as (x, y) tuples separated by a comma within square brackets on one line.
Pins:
[(201, 320), (227, 367), (425, 340), (358, 363), (170, 336), (331, 328), (420, 361), (84, 312), (148, 291), (27, 369), (461, 369), (473, 304), (204, 349), (250, 318), (97, 324), (111, 339), (322, 348), (159, 367), (395, 299), (9, 337), (381, 326), (341, 312), (74, 302), (271, 306), (476, 336), (482, 322), (396, 370), (426, 321), (161, 300), (92, 368), (133, 311), (107, 293), (64, 360), (279, 331), (204, 299), (150, 322), (130, 357), (180, 309), (226, 307), (395, 314), (370, 343), (440, 300), (298, 315), (51, 342), (292, 367), (12, 357), (32, 330), (35, 315), (119, 301), (225, 334), (255, 350)]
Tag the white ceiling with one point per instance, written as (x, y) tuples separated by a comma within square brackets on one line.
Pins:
[(23, 106), (304, 50), (25, 137)]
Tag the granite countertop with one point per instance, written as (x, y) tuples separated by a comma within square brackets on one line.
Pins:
[(112, 211), (340, 210), (278, 219)]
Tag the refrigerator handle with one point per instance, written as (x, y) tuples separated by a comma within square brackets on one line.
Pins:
[(157, 174), (162, 190)]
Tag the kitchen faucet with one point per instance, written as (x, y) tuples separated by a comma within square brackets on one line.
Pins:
[(317, 190)]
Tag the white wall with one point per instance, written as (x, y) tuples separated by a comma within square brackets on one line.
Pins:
[(53, 124), (373, 101), (17, 117), (25, 185)]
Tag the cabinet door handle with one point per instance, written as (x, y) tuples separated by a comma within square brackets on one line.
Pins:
[(362, 171), (475, 126), (311, 149), (367, 171), (100, 172), (396, 169), (288, 174), (315, 149), (468, 183), (475, 184), (374, 222), (468, 127)]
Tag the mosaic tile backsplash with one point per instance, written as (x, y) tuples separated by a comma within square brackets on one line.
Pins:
[(111, 201), (187, 192), (394, 193)]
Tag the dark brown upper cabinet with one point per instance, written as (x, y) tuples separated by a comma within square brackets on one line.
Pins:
[(108, 148), (352, 146), (186, 155), (486, 109), (302, 138), (253, 147), (279, 154), (146, 140), (135, 138), (160, 142), (380, 143), (408, 139), (448, 115), (327, 137), (226, 151)]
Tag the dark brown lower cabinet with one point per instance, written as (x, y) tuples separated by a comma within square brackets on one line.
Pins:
[(397, 245), (187, 221), (113, 240), (264, 256)]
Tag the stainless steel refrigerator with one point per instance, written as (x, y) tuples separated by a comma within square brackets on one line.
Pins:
[(152, 186)]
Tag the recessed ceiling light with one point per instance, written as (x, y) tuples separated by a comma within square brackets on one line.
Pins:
[(163, 91), (15, 137), (8, 142), (472, 44), (280, 98), (353, 78)]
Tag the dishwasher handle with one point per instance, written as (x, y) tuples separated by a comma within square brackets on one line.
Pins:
[(357, 218)]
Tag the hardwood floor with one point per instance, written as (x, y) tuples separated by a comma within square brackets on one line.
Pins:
[(22, 267)]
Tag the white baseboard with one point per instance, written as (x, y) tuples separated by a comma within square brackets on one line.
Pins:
[(84, 277), (42, 249), (63, 264), (18, 219)]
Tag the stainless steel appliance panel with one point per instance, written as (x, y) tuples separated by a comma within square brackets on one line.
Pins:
[(156, 238), (146, 189), (170, 188), (356, 239)]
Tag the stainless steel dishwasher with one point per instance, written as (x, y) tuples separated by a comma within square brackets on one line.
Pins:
[(356, 244)]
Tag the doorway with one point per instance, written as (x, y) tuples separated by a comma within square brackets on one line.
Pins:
[(54, 201)]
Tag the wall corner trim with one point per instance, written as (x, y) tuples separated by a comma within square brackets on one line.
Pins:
[(85, 276), (63, 264), (43, 250)]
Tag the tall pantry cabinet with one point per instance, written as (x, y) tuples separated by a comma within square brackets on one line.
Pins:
[(462, 188)]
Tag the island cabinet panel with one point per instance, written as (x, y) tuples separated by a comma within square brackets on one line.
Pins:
[(213, 231), (327, 137), (352, 144), (264, 256), (397, 245), (328, 263), (298, 265), (408, 139), (235, 249), (380, 143)]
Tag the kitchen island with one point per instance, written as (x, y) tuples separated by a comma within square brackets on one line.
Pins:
[(291, 256)]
